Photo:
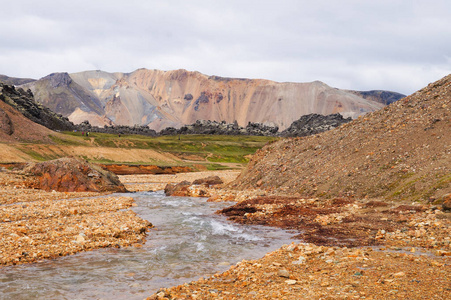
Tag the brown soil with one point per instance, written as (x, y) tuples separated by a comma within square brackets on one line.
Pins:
[(22, 129)]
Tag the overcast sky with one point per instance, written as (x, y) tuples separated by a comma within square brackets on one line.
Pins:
[(352, 44)]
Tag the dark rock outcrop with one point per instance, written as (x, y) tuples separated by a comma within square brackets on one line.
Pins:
[(313, 124), (117, 129), (222, 128), (72, 175)]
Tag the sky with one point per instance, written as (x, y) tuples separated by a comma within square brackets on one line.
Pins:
[(391, 45)]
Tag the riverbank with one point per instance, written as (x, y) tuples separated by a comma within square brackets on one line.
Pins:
[(365, 249), (37, 225), (358, 249)]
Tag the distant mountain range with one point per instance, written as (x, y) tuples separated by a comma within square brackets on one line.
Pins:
[(160, 99)]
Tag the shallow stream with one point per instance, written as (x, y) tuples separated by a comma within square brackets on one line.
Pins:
[(189, 241)]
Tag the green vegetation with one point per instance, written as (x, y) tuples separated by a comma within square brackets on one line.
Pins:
[(66, 140), (213, 148)]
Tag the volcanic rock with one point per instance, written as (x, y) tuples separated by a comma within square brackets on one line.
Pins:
[(208, 181), (179, 189), (313, 124), (72, 175)]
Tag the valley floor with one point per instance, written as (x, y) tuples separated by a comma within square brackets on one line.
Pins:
[(403, 251)]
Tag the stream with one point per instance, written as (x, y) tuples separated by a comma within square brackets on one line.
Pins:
[(189, 241)]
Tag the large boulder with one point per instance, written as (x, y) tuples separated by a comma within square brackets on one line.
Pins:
[(177, 189), (72, 175)]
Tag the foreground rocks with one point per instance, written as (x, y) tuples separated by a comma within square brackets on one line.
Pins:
[(368, 249), (72, 175), (198, 188), (307, 271)]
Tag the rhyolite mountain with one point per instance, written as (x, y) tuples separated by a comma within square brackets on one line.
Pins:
[(160, 99)]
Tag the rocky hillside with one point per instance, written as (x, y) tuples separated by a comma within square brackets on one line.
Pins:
[(15, 127), (400, 152), (23, 101), (161, 99)]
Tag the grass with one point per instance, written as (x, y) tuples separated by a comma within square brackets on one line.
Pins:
[(214, 148)]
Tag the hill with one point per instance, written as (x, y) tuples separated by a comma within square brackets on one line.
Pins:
[(15, 80), (15, 127), (400, 152), (163, 99), (23, 101)]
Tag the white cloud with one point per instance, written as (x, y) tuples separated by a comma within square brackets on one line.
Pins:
[(392, 45)]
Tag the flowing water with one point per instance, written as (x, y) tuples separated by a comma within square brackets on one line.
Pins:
[(189, 241)]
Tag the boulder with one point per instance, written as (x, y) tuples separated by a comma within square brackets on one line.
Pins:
[(208, 181), (72, 175), (179, 189)]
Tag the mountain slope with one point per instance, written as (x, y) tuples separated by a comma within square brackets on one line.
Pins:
[(173, 98), (402, 151), (15, 127)]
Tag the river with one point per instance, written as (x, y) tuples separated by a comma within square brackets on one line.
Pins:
[(189, 241)]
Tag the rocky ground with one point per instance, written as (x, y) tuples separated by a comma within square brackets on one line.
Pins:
[(354, 249), (366, 249), (36, 225)]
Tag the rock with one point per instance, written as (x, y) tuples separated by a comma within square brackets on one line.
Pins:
[(301, 260), (313, 124), (72, 175), (80, 239), (283, 273), (290, 281), (208, 181), (179, 189), (399, 274)]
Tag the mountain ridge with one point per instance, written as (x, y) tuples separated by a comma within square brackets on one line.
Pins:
[(161, 99)]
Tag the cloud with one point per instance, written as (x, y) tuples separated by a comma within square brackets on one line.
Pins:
[(393, 45)]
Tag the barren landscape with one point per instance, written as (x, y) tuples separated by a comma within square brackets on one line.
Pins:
[(370, 201)]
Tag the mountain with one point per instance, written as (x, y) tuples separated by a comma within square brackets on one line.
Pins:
[(384, 97), (400, 152), (161, 99), (15, 81)]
